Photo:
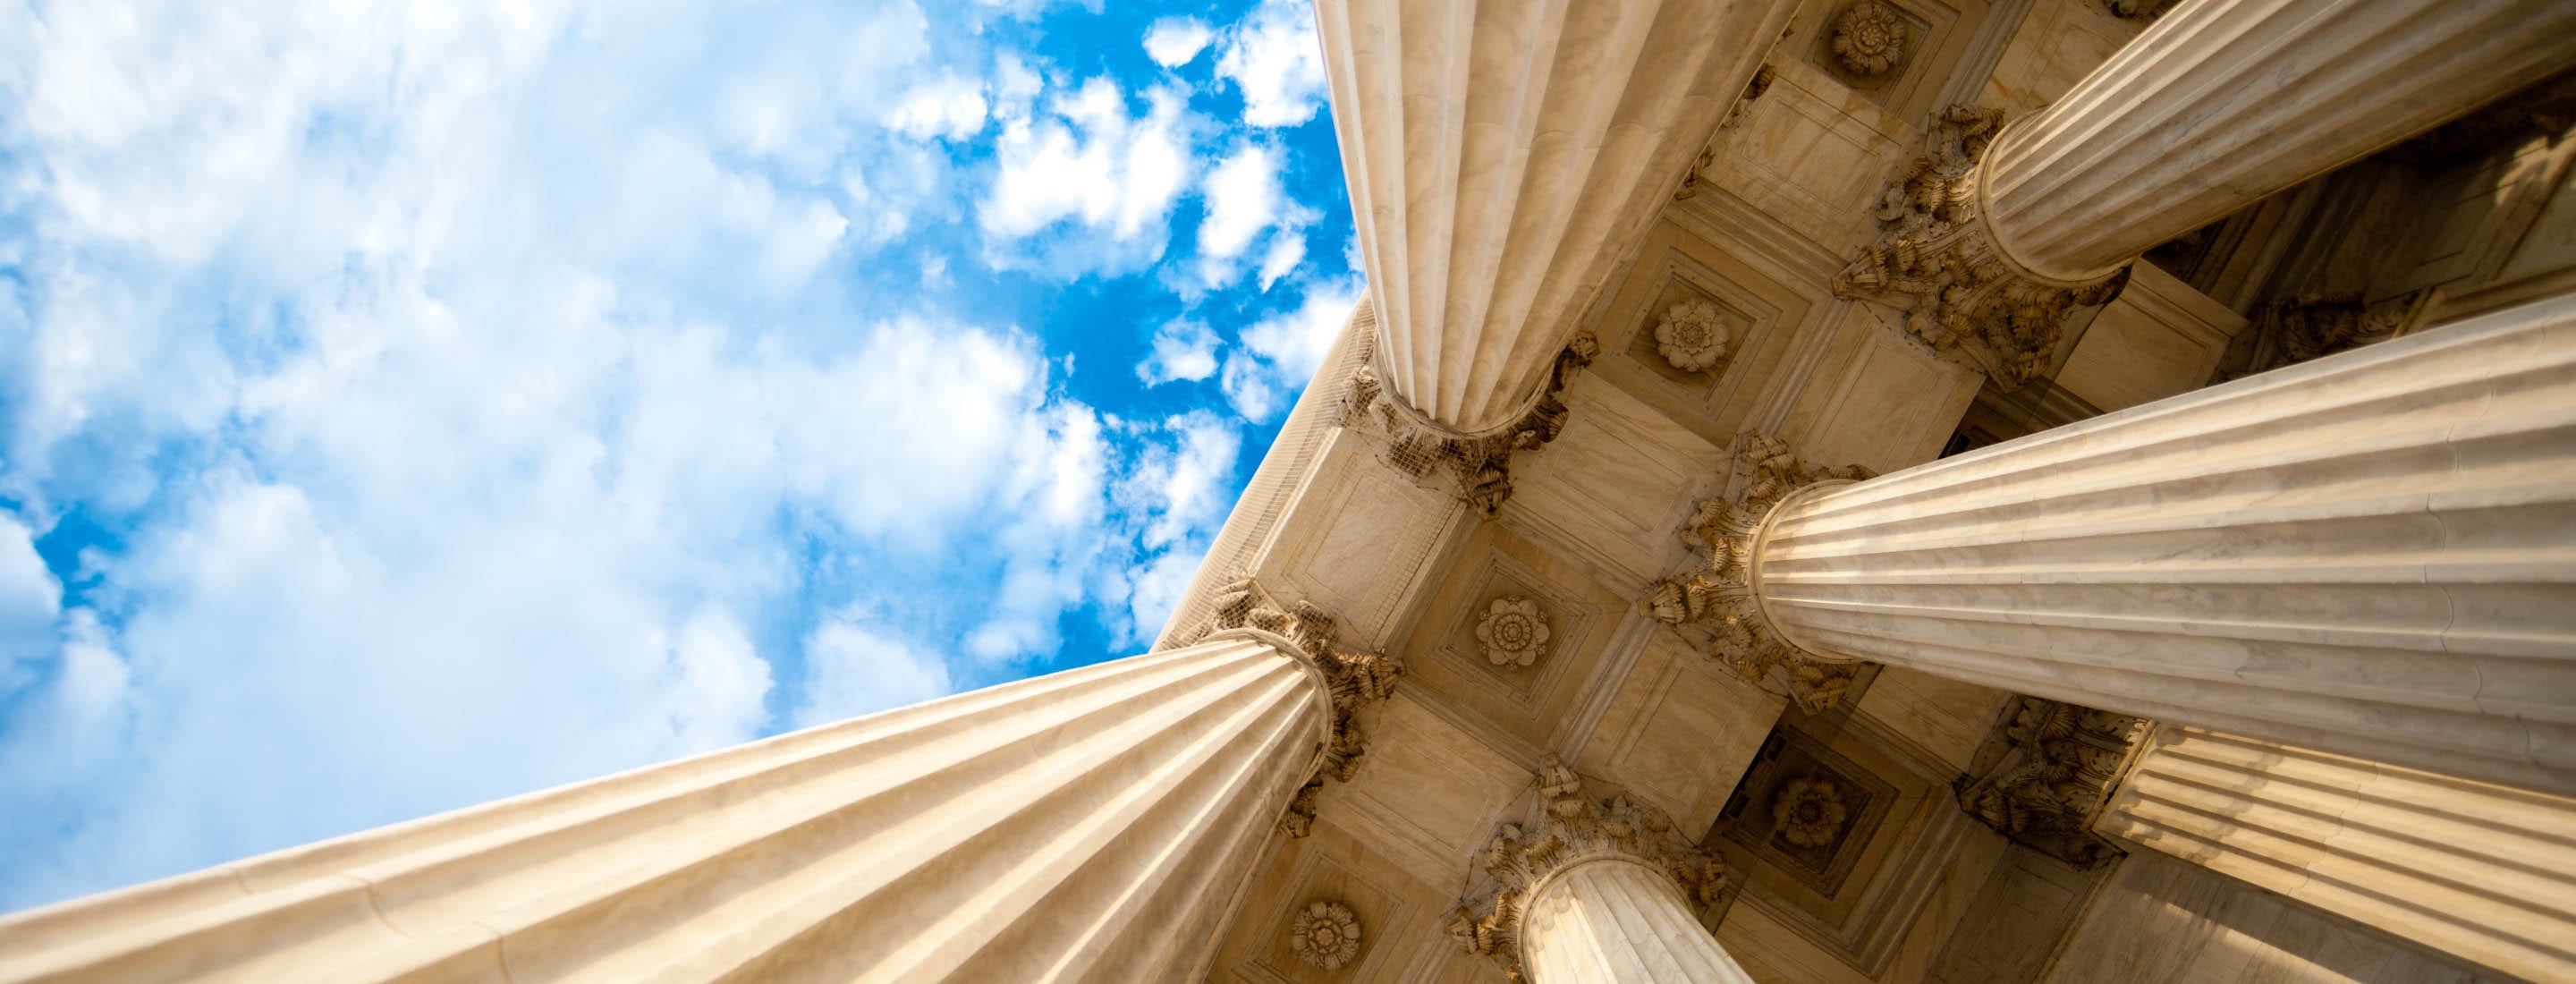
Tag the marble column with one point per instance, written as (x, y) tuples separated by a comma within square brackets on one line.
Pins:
[(1502, 157), (1588, 889), (2223, 103), (1094, 825), (1618, 921), (2484, 873), (2372, 554)]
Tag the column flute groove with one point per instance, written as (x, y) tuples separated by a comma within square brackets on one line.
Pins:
[(2373, 553), (1091, 825)]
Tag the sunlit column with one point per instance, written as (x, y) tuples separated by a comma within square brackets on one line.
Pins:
[(1089, 825)]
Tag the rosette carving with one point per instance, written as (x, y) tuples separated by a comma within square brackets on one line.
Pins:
[(1566, 828), (1718, 599), (1691, 336), (1481, 464), (1936, 261), (1513, 631), (1869, 38), (1353, 680), (1325, 935)]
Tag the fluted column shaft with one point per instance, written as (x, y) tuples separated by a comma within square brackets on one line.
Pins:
[(1089, 825), (1502, 156), (2225, 102), (2373, 554), (1618, 921), (2482, 872)]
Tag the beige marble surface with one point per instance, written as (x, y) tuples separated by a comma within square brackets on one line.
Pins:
[(2483, 873), (1503, 158), (2224, 102), (1619, 922), (2162, 921), (2369, 553), (1089, 825)]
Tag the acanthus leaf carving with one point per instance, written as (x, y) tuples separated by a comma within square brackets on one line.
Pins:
[(1352, 679), (2041, 778), (1481, 465), (1718, 598), (1564, 828), (1936, 261)]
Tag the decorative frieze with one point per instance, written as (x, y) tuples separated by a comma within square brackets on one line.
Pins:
[(1480, 463), (2043, 775), (1719, 599), (1936, 261), (1353, 679), (1869, 38), (1566, 829), (1325, 935)]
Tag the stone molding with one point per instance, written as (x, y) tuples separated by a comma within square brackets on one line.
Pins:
[(2043, 775), (1351, 679), (1480, 463), (1939, 262), (1567, 829), (1720, 597)]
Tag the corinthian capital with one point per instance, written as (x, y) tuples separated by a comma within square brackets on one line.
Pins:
[(1480, 463), (1563, 829), (1719, 598), (1352, 679), (1938, 261)]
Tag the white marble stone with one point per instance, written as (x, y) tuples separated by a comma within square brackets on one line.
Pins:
[(2224, 102), (1618, 922), (1089, 825), (1502, 159), (2373, 553)]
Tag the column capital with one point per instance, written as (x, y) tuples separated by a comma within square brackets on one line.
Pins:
[(2042, 776), (1349, 679), (1721, 598), (1481, 461), (1939, 260), (1563, 831)]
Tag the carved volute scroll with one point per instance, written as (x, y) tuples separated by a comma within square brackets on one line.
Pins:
[(1353, 679), (2041, 778), (1936, 260), (1565, 828), (1481, 464), (1718, 598)]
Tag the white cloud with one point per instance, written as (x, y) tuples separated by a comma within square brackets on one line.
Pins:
[(950, 107), (1276, 62), (1085, 158), (1174, 41), (1182, 349), (479, 411), (855, 671), (1242, 199), (1287, 249), (1280, 354)]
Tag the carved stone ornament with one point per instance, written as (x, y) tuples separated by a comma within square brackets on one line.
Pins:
[(1743, 104), (2304, 328), (1869, 38), (1691, 336), (1718, 599), (2041, 779), (1809, 811), (1355, 679), (1480, 464), (1565, 829), (2137, 10), (1935, 261), (1325, 935), (1513, 631)]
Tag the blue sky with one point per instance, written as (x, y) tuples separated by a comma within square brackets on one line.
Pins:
[(406, 405)]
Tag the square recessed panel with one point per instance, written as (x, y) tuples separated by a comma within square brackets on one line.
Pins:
[(1806, 810)]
